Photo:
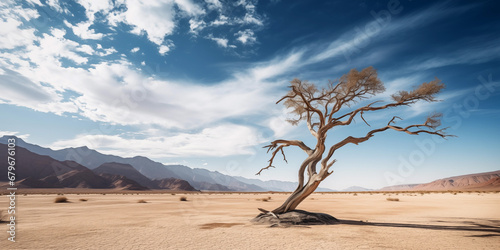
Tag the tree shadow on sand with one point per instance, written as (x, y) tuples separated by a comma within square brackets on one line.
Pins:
[(491, 230)]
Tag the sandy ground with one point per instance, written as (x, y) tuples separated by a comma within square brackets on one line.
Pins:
[(221, 221)]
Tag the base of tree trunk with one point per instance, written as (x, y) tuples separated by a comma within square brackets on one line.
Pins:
[(295, 217)]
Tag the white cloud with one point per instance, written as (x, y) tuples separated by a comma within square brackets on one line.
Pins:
[(135, 50), (56, 5), (246, 36), (280, 126), (222, 42), (251, 19), (106, 52), (222, 140), (214, 4), (83, 31), (163, 49), (159, 19), (54, 47), (137, 99), (240, 3), (196, 26), (20, 91), (34, 2), (222, 20), (190, 8), (86, 49), (155, 18), (7, 133), (251, 16), (94, 6), (276, 66), (11, 20)]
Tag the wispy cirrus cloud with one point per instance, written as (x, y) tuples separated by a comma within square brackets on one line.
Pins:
[(361, 37), (463, 53)]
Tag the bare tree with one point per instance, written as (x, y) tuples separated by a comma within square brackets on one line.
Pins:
[(320, 108)]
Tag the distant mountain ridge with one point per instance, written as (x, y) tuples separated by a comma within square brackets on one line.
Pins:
[(356, 189), (201, 179), (400, 187), (92, 159), (124, 170), (41, 171), (274, 185), (478, 181)]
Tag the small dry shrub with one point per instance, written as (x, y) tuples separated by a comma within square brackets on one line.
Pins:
[(392, 199), (172, 194), (355, 194), (61, 199), (142, 201), (183, 198), (83, 200)]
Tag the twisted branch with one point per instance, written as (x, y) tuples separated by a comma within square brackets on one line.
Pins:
[(431, 123), (278, 145)]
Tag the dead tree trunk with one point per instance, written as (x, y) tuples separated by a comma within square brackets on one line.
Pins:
[(297, 197), (314, 179)]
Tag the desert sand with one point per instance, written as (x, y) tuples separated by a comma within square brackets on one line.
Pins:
[(222, 221)]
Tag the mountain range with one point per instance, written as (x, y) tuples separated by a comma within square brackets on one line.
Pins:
[(200, 179), (479, 181), (40, 171)]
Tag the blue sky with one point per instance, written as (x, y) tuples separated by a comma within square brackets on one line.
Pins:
[(195, 82)]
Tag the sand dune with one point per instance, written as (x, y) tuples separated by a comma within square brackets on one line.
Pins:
[(221, 221)]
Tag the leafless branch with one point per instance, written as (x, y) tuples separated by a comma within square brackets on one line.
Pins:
[(429, 123), (278, 145)]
